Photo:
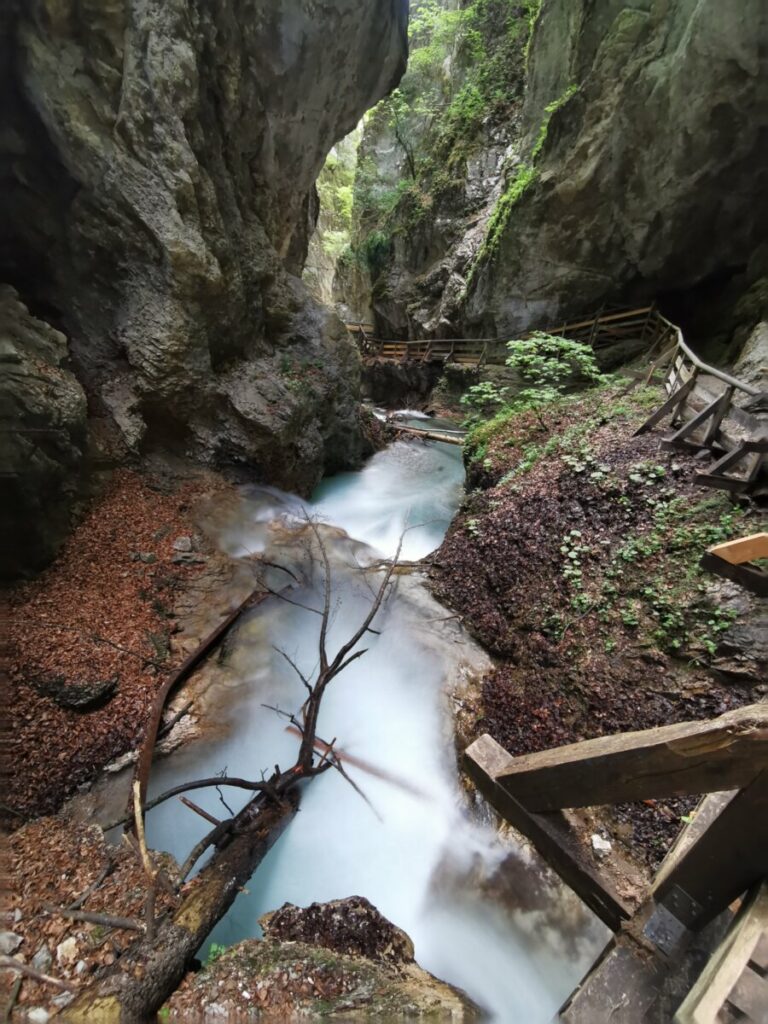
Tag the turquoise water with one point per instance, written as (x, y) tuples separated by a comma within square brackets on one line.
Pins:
[(420, 857)]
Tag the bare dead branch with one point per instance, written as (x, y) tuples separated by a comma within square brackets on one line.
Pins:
[(199, 810), (186, 787), (107, 870), (295, 667), (10, 964), (144, 762), (109, 920)]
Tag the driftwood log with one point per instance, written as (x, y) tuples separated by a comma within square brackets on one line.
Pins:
[(139, 982)]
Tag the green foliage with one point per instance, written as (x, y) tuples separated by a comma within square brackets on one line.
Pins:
[(215, 950), (483, 398), (547, 363), (549, 110), (465, 69), (516, 186)]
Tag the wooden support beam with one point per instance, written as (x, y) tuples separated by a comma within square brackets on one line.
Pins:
[(688, 758), (715, 411), (744, 549), (671, 405), (551, 834), (728, 858)]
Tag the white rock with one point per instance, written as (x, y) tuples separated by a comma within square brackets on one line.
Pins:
[(602, 847), (80, 967), (63, 999), (182, 544), (66, 951), (37, 1015), (9, 943)]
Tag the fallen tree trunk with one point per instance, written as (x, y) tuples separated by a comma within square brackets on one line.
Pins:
[(136, 986)]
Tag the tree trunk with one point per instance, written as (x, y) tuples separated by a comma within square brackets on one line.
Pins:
[(137, 985)]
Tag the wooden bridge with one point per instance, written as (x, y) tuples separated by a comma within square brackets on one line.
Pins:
[(601, 330), (711, 411)]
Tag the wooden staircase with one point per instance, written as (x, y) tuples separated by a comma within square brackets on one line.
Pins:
[(647, 971), (712, 412)]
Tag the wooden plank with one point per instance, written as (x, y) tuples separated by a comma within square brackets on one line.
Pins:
[(551, 834), (744, 549), (729, 857), (750, 996), (716, 982), (715, 410), (672, 403), (748, 576), (687, 758)]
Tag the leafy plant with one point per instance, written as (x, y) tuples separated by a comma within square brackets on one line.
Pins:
[(547, 364)]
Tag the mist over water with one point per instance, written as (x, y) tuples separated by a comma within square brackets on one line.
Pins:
[(418, 856)]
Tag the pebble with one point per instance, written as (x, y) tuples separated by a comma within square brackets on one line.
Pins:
[(66, 951), (602, 847), (37, 1015), (42, 959), (182, 544), (148, 557), (9, 943), (63, 999)]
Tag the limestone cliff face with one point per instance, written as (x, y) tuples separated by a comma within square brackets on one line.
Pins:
[(632, 168), (650, 177), (156, 167), (42, 437)]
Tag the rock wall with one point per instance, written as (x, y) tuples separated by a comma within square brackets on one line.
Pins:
[(630, 170), (157, 159), (649, 178), (42, 437)]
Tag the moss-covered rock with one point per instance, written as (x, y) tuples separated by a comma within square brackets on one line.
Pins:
[(340, 958)]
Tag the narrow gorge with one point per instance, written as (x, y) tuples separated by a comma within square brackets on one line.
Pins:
[(385, 440)]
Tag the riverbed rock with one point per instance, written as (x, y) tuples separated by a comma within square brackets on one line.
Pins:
[(353, 926), (42, 437), (159, 158), (341, 958), (9, 943)]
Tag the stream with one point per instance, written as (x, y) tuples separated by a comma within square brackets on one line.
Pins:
[(484, 913)]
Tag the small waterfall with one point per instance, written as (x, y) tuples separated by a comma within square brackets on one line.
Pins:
[(415, 852)]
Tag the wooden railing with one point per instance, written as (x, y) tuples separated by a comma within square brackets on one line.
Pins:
[(603, 329), (726, 753), (709, 409)]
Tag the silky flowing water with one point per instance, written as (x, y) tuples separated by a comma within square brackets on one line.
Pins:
[(416, 851)]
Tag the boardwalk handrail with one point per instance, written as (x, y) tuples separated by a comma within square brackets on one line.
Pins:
[(712, 371)]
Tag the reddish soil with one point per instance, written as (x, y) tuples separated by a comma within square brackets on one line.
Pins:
[(101, 614)]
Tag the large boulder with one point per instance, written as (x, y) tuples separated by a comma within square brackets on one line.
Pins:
[(327, 960), (157, 163), (42, 437)]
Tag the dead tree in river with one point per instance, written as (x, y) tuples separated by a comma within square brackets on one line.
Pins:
[(151, 968)]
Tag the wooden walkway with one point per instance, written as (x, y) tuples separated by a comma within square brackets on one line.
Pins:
[(711, 411), (599, 331), (720, 855), (708, 409)]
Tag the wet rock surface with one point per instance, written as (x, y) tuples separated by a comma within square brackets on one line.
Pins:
[(624, 201), (341, 960), (42, 437)]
